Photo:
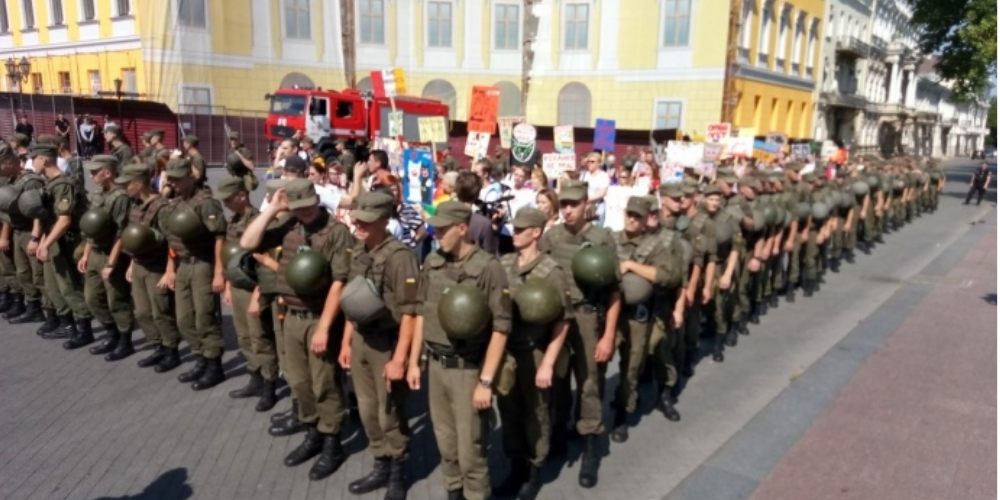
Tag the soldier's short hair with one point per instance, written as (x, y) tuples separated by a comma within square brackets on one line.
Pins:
[(467, 187)]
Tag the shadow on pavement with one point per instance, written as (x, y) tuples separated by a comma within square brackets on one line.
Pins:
[(990, 298), (172, 485)]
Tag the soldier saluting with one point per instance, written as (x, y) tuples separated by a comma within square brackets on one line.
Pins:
[(313, 267)]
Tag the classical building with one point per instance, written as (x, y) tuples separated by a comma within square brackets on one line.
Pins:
[(848, 68), (942, 127)]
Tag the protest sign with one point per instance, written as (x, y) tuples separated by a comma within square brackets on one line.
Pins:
[(712, 151), (563, 138), (476, 144), (554, 164), (604, 135), (506, 125), (716, 132), (432, 129), (688, 154), (483, 109), (418, 183), (523, 148)]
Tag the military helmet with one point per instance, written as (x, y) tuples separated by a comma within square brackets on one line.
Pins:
[(229, 249), (787, 197), (31, 204), (770, 215), (233, 160), (860, 188), (873, 182), (803, 210), (139, 238), (96, 223), (846, 200), (820, 211), (635, 289), (308, 272), (935, 175), (759, 219), (463, 311), (538, 302), (723, 232), (361, 301), (8, 198), (594, 267), (185, 223), (241, 271)]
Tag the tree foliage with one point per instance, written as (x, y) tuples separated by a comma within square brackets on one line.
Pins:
[(964, 34)]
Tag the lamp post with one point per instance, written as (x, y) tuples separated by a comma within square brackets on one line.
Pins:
[(18, 72)]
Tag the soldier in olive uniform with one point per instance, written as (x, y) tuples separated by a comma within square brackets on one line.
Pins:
[(29, 299), (699, 230), (376, 348), (461, 372), (254, 333), (242, 167), (313, 325), (103, 264), (120, 148), (592, 334), (537, 350), (793, 241), (810, 238), (67, 201), (726, 274), (191, 153), (196, 228), (10, 289), (345, 157), (640, 254), (149, 264)]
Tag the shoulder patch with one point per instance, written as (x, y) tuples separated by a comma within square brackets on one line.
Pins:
[(62, 205)]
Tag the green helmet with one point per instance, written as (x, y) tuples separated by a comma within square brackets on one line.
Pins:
[(185, 223), (8, 198), (787, 197), (463, 311), (770, 215), (860, 188), (594, 267), (229, 249), (723, 232), (803, 210), (759, 219), (935, 175), (899, 185), (96, 223), (140, 238), (538, 302), (873, 182), (241, 271), (31, 204), (361, 301), (233, 161), (308, 272), (635, 289), (820, 211), (846, 201)]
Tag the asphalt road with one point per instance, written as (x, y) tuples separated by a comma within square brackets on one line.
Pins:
[(75, 427)]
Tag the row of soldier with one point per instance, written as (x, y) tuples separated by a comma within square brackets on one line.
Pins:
[(311, 300)]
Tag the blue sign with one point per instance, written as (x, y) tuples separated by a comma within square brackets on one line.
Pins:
[(418, 182), (604, 135)]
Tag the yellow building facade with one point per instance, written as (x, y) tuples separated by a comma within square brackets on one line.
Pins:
[(648, 64)]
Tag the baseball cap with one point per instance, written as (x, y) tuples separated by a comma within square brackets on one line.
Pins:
[(296, 163), (671, 190), (133, 172), (47, 150), (179, 167), (301, 194), (711, 189), (373, 206), (272, 186), (449, 213), (228, 187), (102, 161), (528, 217), (572, 190), (638, 205)]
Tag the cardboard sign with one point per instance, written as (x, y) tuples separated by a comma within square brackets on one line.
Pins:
[(765, 151), (476, 145), (712, 151), (671, 172), (388, 82), (562, 136), (748, 132), (716, 132), (800, 151), (506, 125), (688, 154), (395, 123), (418, 183), (483, 109), (432, 129), (523, 148), (604, 135), (706, 168), (555, 164), (394, 150), (739, 147)]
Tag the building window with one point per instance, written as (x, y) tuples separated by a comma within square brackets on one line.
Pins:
[(507, 27), (36, 83), (510, 99), (439, 24), (668, 115), (89, 13), (196, 100), (676, 23), (65, 83), (797, 44), (56, 12), (746, 32), (191, 14), (811, 48), (124, 7), (442, 91), (94, 77), (129, 82), (28, 9), (573, 107), (783, 33), (577, 21), (297, 19), (4, 20), (372, 22), (764, 44)]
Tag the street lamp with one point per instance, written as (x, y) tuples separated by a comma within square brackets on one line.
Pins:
[(18, 72)]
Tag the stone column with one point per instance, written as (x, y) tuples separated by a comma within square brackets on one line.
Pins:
[(911, 88), (895, 84)]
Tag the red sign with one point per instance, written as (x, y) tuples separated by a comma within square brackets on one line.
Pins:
[(716, 132), (483, 109)]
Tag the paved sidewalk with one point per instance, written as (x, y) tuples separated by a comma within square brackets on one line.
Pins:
[(918, 420)]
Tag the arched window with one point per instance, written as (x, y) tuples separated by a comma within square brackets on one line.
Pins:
[(444, 92), (293, 80), (510, 99), (365, 84), (574, 106)]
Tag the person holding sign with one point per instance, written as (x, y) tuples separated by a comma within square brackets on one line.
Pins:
[(598, 183)]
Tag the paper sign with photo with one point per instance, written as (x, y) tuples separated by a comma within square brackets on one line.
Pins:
[(418, 184), (563, 138), (506, 126)]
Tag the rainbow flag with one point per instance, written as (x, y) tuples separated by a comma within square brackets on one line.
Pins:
[(439, 197)]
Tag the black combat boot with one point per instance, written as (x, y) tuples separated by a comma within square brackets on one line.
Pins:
[(869, 246), (66, 329), (84, 335), (741, 325), (171, 359), (762, 307), (717, 354), (377, 478), (110, 342), (281, 416), (288, 426), (515, 478), (6, 300), (123, 350), (252, 389), (396, 489), (268, 396), (531, 487), (310, 447), (790, 296), (754, 316), (732, 337), (835, 265), (154, 358), (807, 288), (51, 322), (195, 373), (330, 459), (213, 376), (589, 462), (32, 313), (849, 256), (16, 307), (619, 433), (666, 405), (772, 301)]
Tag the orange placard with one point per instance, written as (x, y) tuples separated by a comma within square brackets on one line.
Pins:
[(483, 109)]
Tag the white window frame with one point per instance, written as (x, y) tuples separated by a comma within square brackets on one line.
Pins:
[(451, 24), (360, 16), (182, 106), (26, 6), (64, 89), (82, 11), (118, 10), (135, 77), (811, 47), (663, 24), (186, 27), (764, 41), (94, 89), (519, 24), (285, 35), (800, 32), (682, 102), (746, 30), (54, 6), (4, 18), (783, 23), (566, 21)]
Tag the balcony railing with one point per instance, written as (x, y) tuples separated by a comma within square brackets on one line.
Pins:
[(845, 99), (850, 45)]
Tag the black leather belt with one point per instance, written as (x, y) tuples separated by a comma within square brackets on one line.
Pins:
[(192, 260), (303, 313), (452, 361)]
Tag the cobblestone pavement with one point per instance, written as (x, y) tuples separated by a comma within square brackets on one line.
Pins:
[(75, 427)]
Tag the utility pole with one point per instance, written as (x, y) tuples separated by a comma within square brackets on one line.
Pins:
[(529, 28), (349, 42), (730, 96)]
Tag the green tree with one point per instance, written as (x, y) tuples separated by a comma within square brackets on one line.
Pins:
[(991, 122), (964, 34)]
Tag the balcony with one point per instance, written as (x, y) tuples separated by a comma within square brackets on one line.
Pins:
[(879, 48), (853, 46), (847, 99), (889, 108)]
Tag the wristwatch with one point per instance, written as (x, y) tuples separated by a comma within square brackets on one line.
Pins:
[(486, 383)]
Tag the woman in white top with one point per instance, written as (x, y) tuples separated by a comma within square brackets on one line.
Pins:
[(598, 183)]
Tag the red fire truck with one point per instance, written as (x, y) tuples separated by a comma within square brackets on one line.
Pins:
[(348, 114)]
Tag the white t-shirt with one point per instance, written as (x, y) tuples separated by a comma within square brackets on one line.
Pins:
[(615, 201), (524, 197), (596, 182)]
